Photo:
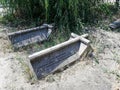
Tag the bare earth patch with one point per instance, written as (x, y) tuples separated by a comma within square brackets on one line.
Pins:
[(85, 75)]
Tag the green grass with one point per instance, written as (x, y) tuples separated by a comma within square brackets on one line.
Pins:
[(55, 38), (26, 68)]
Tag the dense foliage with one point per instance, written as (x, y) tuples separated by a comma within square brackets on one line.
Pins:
[(70, 14)]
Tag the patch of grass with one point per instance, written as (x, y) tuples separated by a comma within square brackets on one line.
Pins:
[(55, 38), (116, 57), (112, 72), (1, 18), (25, 67), (118, 61), (116, 73)]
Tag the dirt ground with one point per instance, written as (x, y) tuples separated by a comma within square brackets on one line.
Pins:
[(99, 73)]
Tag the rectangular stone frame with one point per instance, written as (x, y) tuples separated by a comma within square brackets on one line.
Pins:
[(29, 36), (54, 58)]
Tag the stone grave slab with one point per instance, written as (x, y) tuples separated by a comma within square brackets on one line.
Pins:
[(54, 58), (29, 36)]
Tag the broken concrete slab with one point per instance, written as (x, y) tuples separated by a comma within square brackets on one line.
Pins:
[(54, 58), (29, 36), (115, 24)]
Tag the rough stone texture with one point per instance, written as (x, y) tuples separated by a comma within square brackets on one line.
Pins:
[(29, 36)]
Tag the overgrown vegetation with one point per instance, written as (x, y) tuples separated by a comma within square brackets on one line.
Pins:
[(70, 15)]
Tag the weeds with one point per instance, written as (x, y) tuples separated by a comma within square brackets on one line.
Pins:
[(25, 67), (67, 14), (115, 73)]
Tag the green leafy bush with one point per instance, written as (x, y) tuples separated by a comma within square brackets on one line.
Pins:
[(68, 14)]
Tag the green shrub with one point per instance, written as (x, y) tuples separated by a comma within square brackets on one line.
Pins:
[(67, 14)]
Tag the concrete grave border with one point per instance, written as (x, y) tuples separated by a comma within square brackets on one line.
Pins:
[(43, 62), (29, 36)]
